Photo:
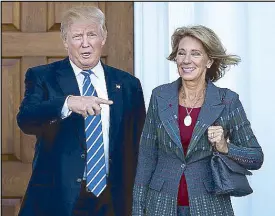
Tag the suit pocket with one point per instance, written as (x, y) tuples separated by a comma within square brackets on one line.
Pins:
[(156, 183)]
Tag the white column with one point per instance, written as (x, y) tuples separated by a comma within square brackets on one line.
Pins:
[(262, 88), (151, 45)]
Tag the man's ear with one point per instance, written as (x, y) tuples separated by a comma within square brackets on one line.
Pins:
[(103, 41)]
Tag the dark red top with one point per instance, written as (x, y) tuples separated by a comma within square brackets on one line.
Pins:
[(185, 135)]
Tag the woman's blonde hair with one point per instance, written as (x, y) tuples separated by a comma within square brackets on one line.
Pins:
[(90, 13), (212, 46)]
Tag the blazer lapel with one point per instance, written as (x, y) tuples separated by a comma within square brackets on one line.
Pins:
[(114, 89), (210, 111), (168, 102)]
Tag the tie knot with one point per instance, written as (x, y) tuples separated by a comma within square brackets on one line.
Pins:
[(87, 73)]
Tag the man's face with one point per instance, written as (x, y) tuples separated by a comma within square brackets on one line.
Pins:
[(84, 43)]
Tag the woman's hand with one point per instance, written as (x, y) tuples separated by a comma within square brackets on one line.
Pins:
[(217, 139)]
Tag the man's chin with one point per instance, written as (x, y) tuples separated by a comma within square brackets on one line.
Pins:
[(88, 64)]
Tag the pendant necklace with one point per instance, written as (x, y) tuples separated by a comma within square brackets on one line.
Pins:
[(188, 119)]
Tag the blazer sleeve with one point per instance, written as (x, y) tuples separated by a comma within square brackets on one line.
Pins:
[(243, 146), (147, 159), (36, 110)]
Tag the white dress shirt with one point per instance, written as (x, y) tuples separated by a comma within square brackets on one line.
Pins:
[(98, 81)]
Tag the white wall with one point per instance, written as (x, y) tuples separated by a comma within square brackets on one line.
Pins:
[(246, 29)]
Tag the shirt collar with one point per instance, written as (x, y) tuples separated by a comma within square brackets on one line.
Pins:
[(97, 70)]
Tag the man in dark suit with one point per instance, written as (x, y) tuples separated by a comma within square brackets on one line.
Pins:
[(88, 118)]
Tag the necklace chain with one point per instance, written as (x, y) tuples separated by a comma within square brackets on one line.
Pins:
[(188, 113), (192, 107), (188, 119)]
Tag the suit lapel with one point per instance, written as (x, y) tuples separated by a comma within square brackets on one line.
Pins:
[(66, 79), (115, 90), (210, 111), (168, 112)]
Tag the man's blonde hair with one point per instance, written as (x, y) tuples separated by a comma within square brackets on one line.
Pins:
[(90, 13)]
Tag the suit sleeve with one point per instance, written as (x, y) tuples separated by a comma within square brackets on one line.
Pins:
[(147, 160), (36, 110), (243, 146), (139, 118)]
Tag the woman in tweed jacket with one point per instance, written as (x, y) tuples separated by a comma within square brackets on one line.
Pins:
[(185, 119)]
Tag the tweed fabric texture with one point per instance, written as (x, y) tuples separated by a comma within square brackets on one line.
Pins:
[(183, 211), (161, 161)]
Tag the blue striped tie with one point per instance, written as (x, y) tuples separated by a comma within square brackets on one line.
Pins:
[(96, 168)]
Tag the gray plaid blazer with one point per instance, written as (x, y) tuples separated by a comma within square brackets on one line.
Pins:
[(161, 161)]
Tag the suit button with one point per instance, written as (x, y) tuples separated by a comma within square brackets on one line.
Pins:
[(79, 180), (82, 155), (183, 166)]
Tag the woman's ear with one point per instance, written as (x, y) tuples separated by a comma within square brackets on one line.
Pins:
[(209, 63)]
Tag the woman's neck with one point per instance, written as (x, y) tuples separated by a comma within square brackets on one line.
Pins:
[(192, 90)]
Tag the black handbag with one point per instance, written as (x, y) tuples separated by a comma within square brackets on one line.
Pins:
[(229, 177)]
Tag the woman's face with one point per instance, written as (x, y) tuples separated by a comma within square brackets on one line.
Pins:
[(192, 60)]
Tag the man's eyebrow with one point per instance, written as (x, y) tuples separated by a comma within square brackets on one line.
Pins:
[(76, 33)]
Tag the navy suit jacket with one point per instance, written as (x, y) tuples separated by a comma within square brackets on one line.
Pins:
[(59, 160)]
